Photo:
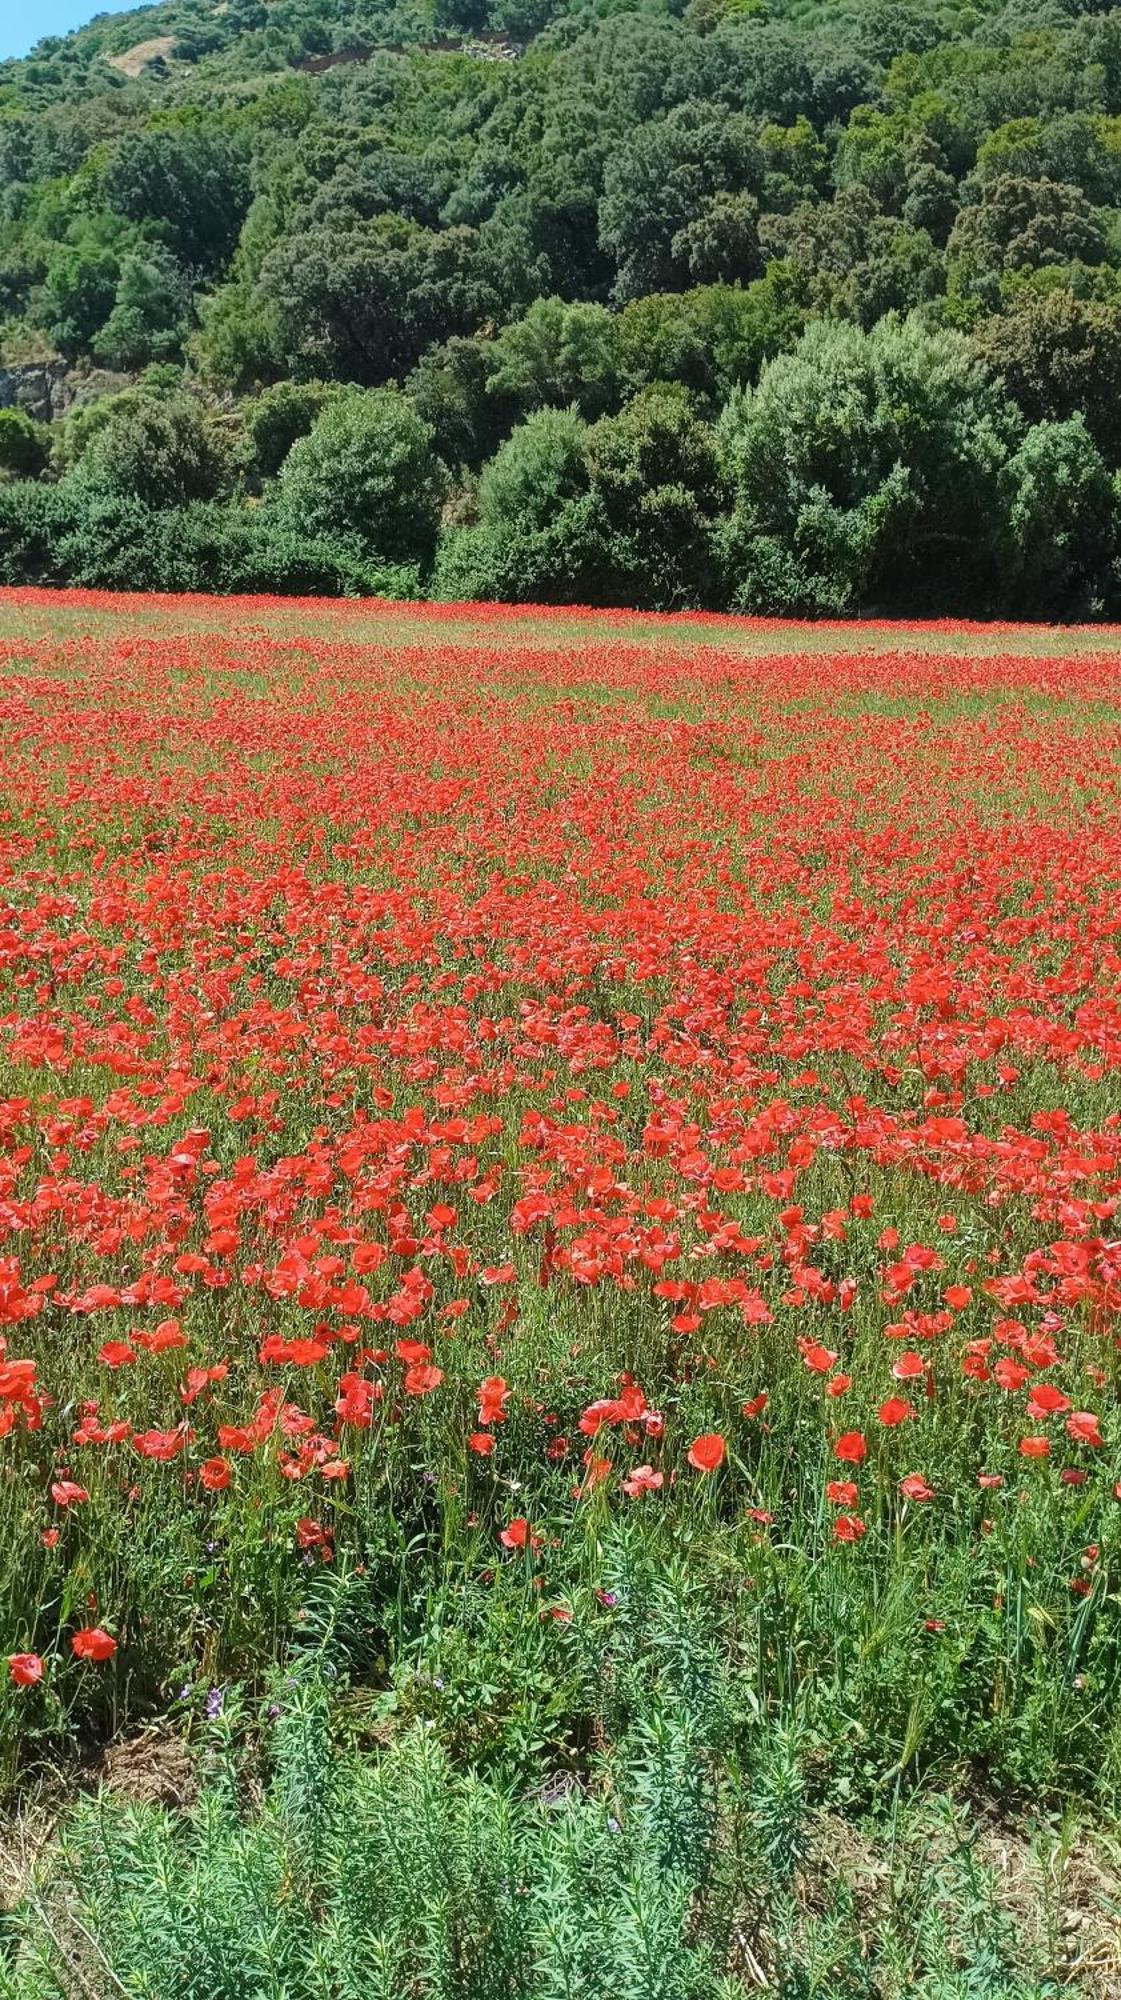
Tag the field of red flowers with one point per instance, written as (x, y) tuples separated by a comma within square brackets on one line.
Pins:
[(498, 1112)]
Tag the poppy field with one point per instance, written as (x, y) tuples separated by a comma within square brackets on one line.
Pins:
[(551, 1164)]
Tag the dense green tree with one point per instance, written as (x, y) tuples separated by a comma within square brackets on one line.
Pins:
[(661, 180), (858, 262), (1021, 224), (279, 416), (655, 471), (558, 353), (159, 452), (25, 446), (865, 461), (77, 295), (366, 477), (539, 469), (151, 310), (713, 338), (363, 304), (1062, 521), (1077, 149), (1060, 357), (450, 389), (188, 182)]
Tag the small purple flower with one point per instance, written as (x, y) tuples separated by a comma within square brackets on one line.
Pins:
[(214, 1703)]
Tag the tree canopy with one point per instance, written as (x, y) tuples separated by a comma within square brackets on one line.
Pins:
[(775, 303)]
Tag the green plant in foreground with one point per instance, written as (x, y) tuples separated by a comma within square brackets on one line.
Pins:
[(660, 1873)]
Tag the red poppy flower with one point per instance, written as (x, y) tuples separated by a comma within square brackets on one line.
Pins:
[(894, 1411), (1010, 1375), (93, 1643), (26, 1669), (707, 1451), (818, 1359), (908, 1367), (914, 1487), (851, 1448), (848, 1528), (421, 1380), (643, 1479), (1046, 1401), (214, 1475), (1084, 1427)]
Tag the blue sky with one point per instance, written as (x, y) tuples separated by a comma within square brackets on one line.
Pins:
[(25, 22)]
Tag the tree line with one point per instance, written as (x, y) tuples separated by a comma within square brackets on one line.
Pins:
[(757, 304)]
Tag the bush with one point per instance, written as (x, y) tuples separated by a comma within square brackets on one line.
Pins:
[(366, 478), (109, 541), (279, 416), (369, 1879), (539, 468), (654, 470), (870, 463), (157, 452), (25, 446), (30, 519), (1062, 520), (660, 1869)]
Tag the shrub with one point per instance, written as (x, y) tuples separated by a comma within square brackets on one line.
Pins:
[(279, 416), (158, 452), (866, 462), (366, 478), (30, 519), (25, 446)]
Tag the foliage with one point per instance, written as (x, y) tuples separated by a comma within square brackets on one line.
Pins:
[(276, 418), (24, 444), (404, 1874), (366, 475), (157, 451), (868, 463), (505, 206)]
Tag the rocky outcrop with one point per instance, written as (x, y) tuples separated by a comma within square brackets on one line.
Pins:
[(39, 387), (48, 389)]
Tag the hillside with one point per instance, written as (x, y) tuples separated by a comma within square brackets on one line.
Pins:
[(772, 307)]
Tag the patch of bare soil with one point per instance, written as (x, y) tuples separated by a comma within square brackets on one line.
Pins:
[(1055, 1890), (142, 55), (154, 1767)]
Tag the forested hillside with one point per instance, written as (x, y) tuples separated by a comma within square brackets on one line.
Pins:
[(777, 307)]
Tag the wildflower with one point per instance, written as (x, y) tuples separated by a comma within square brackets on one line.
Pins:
[(851, 1448), (25, 1669), (706, 1452), (848, 1528), (914, 1487), (93, 1643)]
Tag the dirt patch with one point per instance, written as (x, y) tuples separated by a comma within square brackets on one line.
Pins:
[(152, 1768), (155, 1768), (1056, 1889), (142, 55)]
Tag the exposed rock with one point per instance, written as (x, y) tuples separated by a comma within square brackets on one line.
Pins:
[(37, 387), (48, 389)]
